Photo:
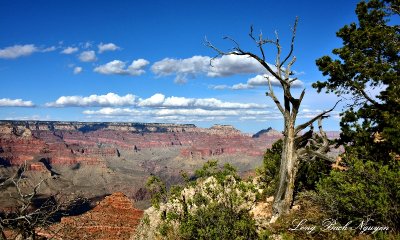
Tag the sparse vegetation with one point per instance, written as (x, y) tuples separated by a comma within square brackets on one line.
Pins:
[(214, 205), (365, 186)]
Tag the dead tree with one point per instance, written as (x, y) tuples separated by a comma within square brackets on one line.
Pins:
[(297, 144), (30, 215)]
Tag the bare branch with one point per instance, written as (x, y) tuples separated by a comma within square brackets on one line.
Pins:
[(308, 123), (260, 45), (274, 98), (302, 141), (251, 33), (278, 55), (306, 151), (296, 103), (319, 155), (289, 66), (233, 40), (366, 96), (294, 29)]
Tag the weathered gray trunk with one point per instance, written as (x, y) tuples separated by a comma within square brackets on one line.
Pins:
[(293, 146), (287, 173)]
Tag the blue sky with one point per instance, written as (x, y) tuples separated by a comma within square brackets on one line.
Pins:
[(146, 61)]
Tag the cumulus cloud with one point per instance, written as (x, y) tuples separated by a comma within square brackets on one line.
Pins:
[(182, 68), (6, 102), (17, 51), (229, 65), (107, 47), (190, 68), (262, 80), (195, 114), (78, 70), (69, 50), (172, 112), (259, 80), (181, 109), (119, 68), (87, 56), (159, 100), (110, 99)]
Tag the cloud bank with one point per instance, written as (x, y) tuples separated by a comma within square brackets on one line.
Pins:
[(6, 102), (257, 81), (17, 51), (110, 99)]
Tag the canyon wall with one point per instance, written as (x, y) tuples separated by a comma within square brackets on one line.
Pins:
[(88, 143)]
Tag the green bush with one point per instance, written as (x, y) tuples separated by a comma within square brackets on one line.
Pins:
[(218, 221), (367, 190), (215, 204)]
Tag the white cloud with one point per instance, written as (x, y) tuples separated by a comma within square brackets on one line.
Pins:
[(262, 80), (118, 67), (190, 68), (69, 50), (49, 49), (6, 102), (107, 47), (78, 70), (182, 68), (158, 107), (259, 80), (229, 65), (159, 100), (113, 112), (241, 86), (110, 99), (31, 117), (218, 87), (87, 56), (173, 112), (17, 51)]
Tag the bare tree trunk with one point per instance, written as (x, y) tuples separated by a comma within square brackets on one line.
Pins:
[(287, 172), (296, 145)]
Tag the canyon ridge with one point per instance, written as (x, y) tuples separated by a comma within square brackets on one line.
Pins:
[(99, 158)]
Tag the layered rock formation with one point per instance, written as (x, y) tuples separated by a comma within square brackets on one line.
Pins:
[(88, 143), (113, 218), (94, 159)]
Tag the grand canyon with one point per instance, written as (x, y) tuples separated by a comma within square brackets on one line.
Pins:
[(96, 159), (93, 160)]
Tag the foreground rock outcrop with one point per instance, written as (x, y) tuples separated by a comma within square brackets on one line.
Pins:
[(113, 218)]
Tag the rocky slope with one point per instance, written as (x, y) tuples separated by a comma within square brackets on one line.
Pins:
[(113, 218)]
